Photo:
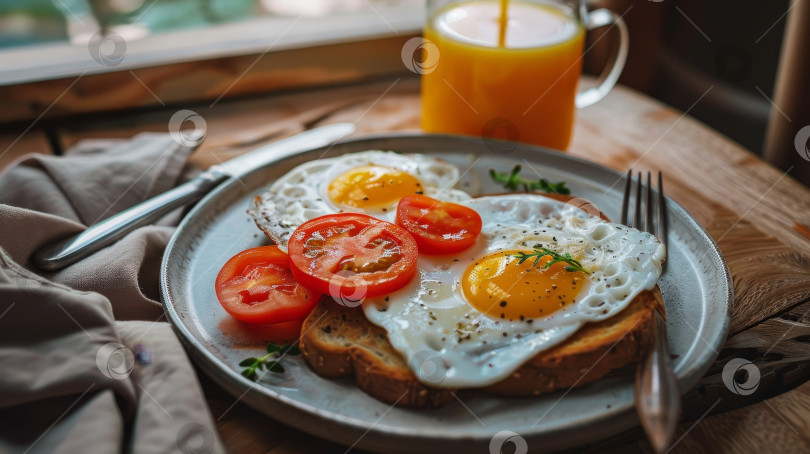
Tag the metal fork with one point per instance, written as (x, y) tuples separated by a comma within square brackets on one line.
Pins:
[(658, 399)]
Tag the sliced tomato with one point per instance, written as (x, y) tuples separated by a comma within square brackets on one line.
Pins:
[(350, 256), (284, 332), (256, 286), (438, 227)]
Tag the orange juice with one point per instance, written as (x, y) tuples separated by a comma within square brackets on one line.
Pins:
[(487, 76)]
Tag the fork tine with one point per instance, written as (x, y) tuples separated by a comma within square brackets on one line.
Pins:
[(648, 206), (626, 198), (662, 211), (637, 214)]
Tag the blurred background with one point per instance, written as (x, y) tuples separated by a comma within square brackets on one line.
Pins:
[(30, 22), (725, 53)]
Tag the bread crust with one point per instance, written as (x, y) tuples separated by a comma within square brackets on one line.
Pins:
[(590, 353), (338, 341), (259, 219)]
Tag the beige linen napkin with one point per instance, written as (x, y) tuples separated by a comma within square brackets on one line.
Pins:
[(75, 377)]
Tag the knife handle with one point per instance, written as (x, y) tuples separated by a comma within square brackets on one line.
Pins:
[(69, 250)]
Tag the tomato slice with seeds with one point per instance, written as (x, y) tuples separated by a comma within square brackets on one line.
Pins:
[(351, 254), (438, 227), (256, 286)]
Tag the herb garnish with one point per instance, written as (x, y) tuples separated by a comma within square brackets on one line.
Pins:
[(573, 265), (268, 361), (514, 181)]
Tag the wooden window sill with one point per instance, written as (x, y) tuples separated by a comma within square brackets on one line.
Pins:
[(206, 64)]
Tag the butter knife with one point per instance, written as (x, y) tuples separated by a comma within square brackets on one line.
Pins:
[(69, 250)]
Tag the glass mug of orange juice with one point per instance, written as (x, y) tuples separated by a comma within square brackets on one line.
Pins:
[(510, 68)]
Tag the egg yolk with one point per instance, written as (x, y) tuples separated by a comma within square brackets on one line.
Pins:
[(498, 286), (373, 188)]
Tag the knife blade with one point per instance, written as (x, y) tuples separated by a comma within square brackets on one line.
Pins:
[(69, 250)]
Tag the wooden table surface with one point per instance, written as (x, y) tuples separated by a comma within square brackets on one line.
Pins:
[(752, 210)]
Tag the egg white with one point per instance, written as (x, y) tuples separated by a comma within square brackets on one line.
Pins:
[(448, 343), (302, 193)]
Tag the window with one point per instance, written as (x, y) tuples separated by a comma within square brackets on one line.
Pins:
[(56, 39)]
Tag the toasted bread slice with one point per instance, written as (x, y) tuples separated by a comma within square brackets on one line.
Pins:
[(337, 341), (590, 353), (269, 220)]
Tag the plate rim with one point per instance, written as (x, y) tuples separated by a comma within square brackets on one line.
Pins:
[(622, 416)]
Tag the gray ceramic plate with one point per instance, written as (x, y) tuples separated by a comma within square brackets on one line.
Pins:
[(697, 290)]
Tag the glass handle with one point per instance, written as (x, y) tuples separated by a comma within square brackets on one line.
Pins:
[(600, 18)]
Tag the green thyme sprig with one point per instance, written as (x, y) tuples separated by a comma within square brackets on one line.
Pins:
[(513, 182), (573, 265), (268, 361)]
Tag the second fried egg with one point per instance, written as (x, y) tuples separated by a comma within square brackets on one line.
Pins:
[(473, 319), (370, 182)]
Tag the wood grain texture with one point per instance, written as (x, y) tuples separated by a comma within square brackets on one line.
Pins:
[(204, 80), (15, 145), (238, 126), (779, 424), (629, 129), (749, 207)]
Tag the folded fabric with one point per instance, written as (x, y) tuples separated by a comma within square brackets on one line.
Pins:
[(45, 198), (74, 376)]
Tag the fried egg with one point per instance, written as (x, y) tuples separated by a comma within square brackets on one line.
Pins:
[(370, 182), (472, 319)]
